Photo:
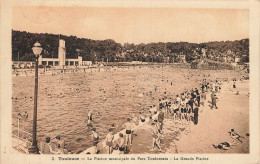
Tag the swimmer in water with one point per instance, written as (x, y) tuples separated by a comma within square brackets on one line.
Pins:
[(142, 118), (90, 113), (25, 115)]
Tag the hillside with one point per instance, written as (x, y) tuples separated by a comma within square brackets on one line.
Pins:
[(101, 50)]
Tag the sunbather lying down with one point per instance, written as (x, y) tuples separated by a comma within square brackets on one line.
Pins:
[(222, 146)]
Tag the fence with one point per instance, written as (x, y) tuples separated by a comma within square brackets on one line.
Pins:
[(20, 138)]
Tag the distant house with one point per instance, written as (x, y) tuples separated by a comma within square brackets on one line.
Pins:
[(237, 59), (182, 58), (203, 53), (166, 59), (210, 64), (86, 63)]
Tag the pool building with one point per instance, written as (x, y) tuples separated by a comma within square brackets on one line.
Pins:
[(61, 60)]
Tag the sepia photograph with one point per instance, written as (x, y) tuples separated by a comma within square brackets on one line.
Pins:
[(117, 81)]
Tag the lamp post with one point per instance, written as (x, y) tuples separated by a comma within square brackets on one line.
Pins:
[(37, 49)]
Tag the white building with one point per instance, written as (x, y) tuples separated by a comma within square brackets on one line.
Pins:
[(203, 53), (61, 60), (237, 59), (182, 57), (86, 63)]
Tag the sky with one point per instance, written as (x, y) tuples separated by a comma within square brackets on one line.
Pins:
[(135, 25)]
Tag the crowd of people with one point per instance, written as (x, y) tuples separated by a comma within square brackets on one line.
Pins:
[(121, 144), (183, 107), (56, 146)]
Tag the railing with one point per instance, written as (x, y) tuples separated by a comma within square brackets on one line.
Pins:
[(20, 138)]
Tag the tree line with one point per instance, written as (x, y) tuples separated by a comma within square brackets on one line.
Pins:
[(109, 50)]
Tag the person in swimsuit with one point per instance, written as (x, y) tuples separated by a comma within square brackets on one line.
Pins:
[(46, 148), (156, 137), (183, 109), (188, 112), (160, 104), (163, 102), (166, 101), (160, 119), (95, 139), (90, 113), (203, 97), (128, 132), (109, 141), (142, 117), (197, 96), (169, 105), (214, 101), (196, 112), (173, 108), (234, 83), (178, 110), (151, 110), (234, 135), (222, 146), (155, 110), (25, 115), (60, 145), (121, 143)]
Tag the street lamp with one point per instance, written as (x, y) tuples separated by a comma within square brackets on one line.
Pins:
[(37, 49)]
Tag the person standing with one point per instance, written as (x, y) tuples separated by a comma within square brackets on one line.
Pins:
[(214, 101), (156, 137), (188, 112), (128, 127), (121, 143), (203, 97), (95, 137), (160, 119), (196, 112), (198, 97), (109, 141), (234, 83)]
